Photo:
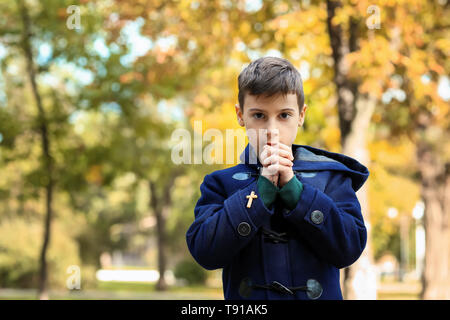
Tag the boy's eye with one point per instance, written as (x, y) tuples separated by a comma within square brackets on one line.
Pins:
[(258, 115), (285, 115)]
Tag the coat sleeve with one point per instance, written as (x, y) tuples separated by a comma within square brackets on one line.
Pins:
[(331, 221), (223, 225)]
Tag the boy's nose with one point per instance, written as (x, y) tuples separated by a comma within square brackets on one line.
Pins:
[(273, 135)]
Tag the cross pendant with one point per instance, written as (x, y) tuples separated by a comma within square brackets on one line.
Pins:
[(250, 198)]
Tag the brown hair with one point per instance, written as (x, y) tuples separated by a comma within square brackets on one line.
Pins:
[(270, 76)]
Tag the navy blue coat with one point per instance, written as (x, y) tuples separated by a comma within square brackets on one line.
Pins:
[(277, 253)]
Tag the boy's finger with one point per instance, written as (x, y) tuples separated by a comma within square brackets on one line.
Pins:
[(281, 152), (285, 162), (267, 161), (264, 154), (276, 168), (266, 151), (284, 147), (271, 170), (274, 159)]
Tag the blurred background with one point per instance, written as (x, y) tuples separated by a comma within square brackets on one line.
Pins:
[(93, 207)]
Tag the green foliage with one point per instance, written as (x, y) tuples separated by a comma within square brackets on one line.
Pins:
[(19, 254), (88, 277), (190, 271), (9, 128)]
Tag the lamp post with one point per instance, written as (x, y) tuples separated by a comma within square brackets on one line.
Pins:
[(392, 213), (417, 214), (404, 245)]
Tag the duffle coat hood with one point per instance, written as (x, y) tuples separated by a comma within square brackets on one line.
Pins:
[(279, 253)]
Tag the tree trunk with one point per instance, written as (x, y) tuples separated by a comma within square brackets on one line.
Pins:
[(435, 180), (355, 112), (43, 127), (161, 203), (360, 278), (161, 234), (159, 211), (346, 89)]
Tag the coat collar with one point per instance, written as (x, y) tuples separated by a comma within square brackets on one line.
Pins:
[(308, 158)]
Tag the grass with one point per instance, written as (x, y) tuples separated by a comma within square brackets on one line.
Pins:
[(392, 290), (146, 291), (112, 290)]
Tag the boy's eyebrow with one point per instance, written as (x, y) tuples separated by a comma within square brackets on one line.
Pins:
[(284, 109)]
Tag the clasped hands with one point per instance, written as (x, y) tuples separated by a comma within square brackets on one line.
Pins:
[(277, 161)]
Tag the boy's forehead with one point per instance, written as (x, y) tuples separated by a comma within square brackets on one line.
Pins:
[(279, 99)]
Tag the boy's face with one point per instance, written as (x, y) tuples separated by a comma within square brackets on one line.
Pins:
[(266, 116)]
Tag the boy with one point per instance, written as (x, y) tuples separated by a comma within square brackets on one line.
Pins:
[(282, 226)]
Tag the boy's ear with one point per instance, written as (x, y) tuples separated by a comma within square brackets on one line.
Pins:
[(301, 119), (239, 115)]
